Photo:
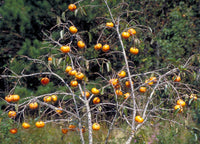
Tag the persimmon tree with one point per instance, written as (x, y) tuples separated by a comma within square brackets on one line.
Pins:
[(120, 89)]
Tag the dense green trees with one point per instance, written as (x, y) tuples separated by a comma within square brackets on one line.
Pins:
[(174, 27)]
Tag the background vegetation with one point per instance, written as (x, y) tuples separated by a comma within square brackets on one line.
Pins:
[(175, 37)]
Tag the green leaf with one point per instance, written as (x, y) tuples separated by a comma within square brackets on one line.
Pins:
[(75, 12), (194, 75), (63, 16), (100, 108), (64, 65), (58, 20), (83, 11), (176, 111), (190, 101), (102, 91), (108, 65), (61, 34), (16, 107), (90, 37), (125, 111), (145, 59), (195, 137), (59, 61), (54, 61)]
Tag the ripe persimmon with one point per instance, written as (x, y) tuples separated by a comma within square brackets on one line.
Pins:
[(65, 49), (13, 131), (86, 93), (45, 80), (95, 91), (72, 72), (149, 82), (193, 96), (177, 79), (72, 127), (73, 83), (64, 130), (132, 31), (26, 125), (128, 84), (12, 114), (47, 99), (81, 44), (114, 82), (139, 119), (96, 126), (9, 98), (118, 92), (98, 46), (178, 107), (109, 24), (58, 110), (72, 7), (54, 98), (39, 124), (142, 89), (33, 105), (73, 29), (126, 95), (96, 100), (49, 58), (122, 74), (105, 48), (68, 69), (79, 75), (154, 79), (15, 98), (181, 102), (125, 35), (134, 50)]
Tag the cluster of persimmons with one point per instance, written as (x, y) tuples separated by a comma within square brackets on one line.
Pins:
[(78, 76)]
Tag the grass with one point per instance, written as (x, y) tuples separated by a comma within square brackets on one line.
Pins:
[(155, 131), (162, 132)]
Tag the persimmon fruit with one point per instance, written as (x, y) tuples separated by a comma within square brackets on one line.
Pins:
[(13, 130), (72, 7), (95, 91), (26, 125), (105, 48), (125, 35), (65, 49), (73, 29), (96, 126), (178, 107), (73, 83), (33, 105), (122, 74), (181, 102), (142, 89), (45, 80), (96, 100), (134, 50), (64, 130), (109, 24), (139, 119), (132, 31), (98, 46), (81, 44), (12, 114), (68, 69), (39, 124)]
